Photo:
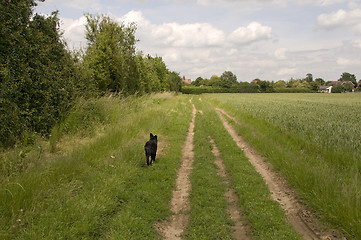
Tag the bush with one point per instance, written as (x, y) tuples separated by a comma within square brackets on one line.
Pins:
[(242, 88), (10, 124), (338, 88), (293, 90), (81, 119)]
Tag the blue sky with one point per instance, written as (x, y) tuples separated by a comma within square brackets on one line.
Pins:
[(266, 39)]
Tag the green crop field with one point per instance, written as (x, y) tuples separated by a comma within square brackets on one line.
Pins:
[(89, 180), (313, 140)]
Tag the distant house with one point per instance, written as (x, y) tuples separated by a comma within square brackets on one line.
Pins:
[(326, 89), (186, 81), (341, 83), (349, 86)]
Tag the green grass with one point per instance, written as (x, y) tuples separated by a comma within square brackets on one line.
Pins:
[(265, 216), (98, 188), (89, 181), (208, 216), (307, 138)]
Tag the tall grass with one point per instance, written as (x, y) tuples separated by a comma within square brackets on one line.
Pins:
[(312, 139), (98, 188)]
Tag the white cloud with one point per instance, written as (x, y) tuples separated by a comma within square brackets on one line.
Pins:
[(280, 53), (356, 43), (348, 62), (321, 2), (74, 32), (342, 18), (195, 35), (175, 34), (280, 3), (253, 32), (287, 71), (189, 35), (134, 16)]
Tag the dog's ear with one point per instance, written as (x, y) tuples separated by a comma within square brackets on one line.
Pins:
[(156, 137), (151, 135)]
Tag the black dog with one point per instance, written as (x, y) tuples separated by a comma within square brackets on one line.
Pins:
[(151, 149)]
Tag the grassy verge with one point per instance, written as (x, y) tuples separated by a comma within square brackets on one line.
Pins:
[(325, 184), (265, 216), (98, 189), (208, 215)]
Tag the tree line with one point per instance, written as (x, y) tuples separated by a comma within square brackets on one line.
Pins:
[(227, 82), (40, 79)]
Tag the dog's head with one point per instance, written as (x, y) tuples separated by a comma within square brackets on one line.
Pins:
[(153, 137)]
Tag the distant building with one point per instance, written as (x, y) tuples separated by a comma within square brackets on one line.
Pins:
[(349, 86), (341, 83), (326, 89), (186, 81)]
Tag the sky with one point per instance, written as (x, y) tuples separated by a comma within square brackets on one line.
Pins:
[(266, 39)]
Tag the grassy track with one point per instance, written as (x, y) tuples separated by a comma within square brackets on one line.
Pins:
[(265, 217), (307, 137), (89, 181), (100, 189), (209, 218)]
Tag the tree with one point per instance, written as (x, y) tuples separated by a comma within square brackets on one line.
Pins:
[(348, 77), (228, 79), (198, 82), (320, 81), (214, 81), (281, 84), (36, 71), (265, 86), (111, 53), (175, 81), (309, 77), (339, 88)]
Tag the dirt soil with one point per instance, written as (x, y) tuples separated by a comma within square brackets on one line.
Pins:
[(241, 229), (302, 220), (174, 227)]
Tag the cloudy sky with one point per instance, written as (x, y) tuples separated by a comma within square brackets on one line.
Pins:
[(266, 39)]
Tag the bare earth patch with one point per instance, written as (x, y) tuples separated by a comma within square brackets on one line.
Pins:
[(302, 220), (241, 228), (174, 227)]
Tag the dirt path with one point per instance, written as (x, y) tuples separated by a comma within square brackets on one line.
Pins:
[(301, 219), (174, 227), (241, 228)]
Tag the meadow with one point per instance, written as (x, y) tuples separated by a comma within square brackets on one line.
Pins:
[(89, 180), (311, 139)]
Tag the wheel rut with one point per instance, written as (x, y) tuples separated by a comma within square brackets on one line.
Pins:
[(174, 227), (301, 219), (241, 229)]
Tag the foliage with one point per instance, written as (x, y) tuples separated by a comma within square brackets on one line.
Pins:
[(115, 65), (243, 87), (36, 72), (338, 88), (40, 78), (309, 78), (110, 53), (348, 77), (228, 79), (198, 82), (320, 81)]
